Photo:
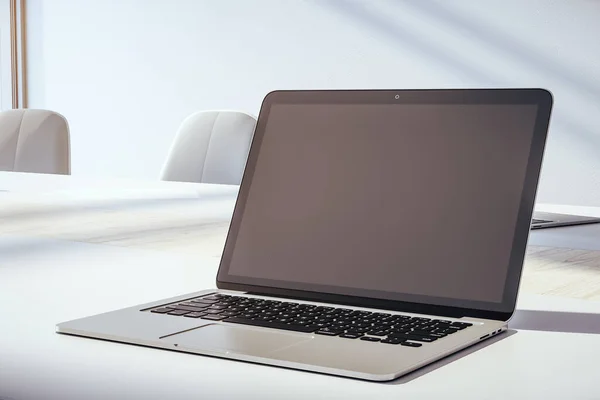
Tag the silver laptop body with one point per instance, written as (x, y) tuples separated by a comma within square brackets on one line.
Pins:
[(375, 232), (551, 220)]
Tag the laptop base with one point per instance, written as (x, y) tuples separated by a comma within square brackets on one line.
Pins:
[(552, 220), (304, 351)]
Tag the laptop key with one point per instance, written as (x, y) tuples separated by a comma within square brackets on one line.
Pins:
[(161, 310), (230, 313), (321, 308), (329, 331), (419, 332), (216, 296), (208, 311), (269, 314), (189, 303), (213, 317), (377, 333), (446, 331), (380, 328), (191, 309), (350, 335), (285, 320), (263, 318), (370, 339), (357, 330), (353, 332), (416, 338), (411, 344), (302, 320), (312, 327), (178, 312), (381, 315), (194, 315), (229, 300)]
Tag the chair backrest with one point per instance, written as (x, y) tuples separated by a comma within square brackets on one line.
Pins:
[(34, 141), (210, 147)]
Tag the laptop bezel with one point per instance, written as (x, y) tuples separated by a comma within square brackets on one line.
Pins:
[(495, 311)]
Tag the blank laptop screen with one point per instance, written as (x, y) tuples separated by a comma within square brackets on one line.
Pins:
[(386, 200)]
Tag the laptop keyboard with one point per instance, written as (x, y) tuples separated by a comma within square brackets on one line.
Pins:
[(329, 321)]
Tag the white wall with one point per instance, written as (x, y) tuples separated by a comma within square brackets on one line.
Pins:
[(125, 73)]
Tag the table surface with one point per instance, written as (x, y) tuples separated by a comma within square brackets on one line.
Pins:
[(193, 219), (54, 267)]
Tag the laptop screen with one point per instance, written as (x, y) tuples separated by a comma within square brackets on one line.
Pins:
[(410, 202)]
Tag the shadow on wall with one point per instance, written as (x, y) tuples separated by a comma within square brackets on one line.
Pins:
[(486, 35), (527, 56), (365, 16)]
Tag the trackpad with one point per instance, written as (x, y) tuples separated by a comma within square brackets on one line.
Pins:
[(236, 339)]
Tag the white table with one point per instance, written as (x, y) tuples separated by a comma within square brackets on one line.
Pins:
[(186, 218), (47, 280), (68, 280)]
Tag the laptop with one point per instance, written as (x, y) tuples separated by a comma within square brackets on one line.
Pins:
[(550, 220), (375, 232)]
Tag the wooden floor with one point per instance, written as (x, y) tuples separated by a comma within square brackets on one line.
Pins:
[(185, 227)]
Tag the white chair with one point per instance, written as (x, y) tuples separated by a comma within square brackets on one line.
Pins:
[(210, 147), (34, 141)]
